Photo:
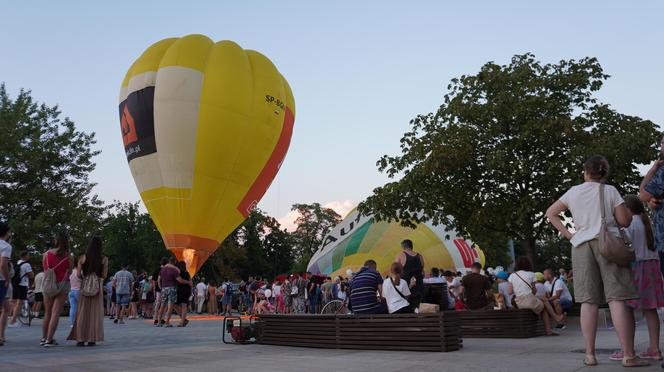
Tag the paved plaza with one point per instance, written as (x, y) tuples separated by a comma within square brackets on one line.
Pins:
[(138, 346)]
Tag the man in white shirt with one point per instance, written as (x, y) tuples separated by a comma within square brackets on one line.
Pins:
[(201, 291), (5, 278), (20, 293), (561, 298)]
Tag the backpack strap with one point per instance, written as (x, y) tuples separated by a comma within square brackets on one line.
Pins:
[(398, 291)]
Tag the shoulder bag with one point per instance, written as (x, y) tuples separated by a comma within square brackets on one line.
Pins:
[(615, 249)]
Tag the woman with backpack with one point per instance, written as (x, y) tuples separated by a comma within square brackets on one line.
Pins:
[(57, 264), (92, 268)]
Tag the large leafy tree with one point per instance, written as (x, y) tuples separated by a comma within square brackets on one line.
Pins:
[(257, 247), (313, 223), (504, 144), (45, 165), (131, 238)]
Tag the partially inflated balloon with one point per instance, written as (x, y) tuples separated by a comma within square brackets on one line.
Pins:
[(205, 128), (359, 238)]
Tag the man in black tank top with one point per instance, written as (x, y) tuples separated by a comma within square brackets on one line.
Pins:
[(413, 267)]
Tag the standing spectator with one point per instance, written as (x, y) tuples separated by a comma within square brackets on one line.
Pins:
[(299, 302), (110, 302), (287, 289), (135, 295), (157, 291), (201, 291), (5, 256), (212, 298), (396, 291), (596, 279), (74, 291), (39, 297), (313, 294), (123, 281), (227, 296), (59, 260), (278, 295), (21, 281), (475, 287), (148, 298), (89, 324), (167, 279), (365, 289), (413, 267), (646, 273), (183, 285), (342, 292)]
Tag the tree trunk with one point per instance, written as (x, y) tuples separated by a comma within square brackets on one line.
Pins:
[(528, 247)]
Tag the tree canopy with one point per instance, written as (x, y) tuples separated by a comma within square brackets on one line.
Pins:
[(313, 223), (504, 144), (45, 164)]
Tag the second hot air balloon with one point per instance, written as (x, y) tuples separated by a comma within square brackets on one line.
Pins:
[(205, 128)]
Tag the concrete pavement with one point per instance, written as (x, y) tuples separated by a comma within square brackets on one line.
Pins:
[(138, 346)]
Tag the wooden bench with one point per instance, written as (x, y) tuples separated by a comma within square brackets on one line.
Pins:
[(415, 332), (500, 324)]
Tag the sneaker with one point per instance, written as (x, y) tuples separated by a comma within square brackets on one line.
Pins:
[(115, 321), (651, 354), (156, 322), (51, 343), (42, 342), (561, 326), (617, 356)]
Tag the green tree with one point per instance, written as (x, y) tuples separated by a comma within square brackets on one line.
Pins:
[(504, 144), (258, 247), (45, 165), (130, 237), (313, 223)]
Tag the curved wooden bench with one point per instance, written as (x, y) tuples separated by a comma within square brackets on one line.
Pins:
[(500, 324), (416, 332)]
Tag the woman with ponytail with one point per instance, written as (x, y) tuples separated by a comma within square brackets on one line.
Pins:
[(647, 276)]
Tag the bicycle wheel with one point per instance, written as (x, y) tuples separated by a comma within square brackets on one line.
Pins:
[(25, 314), (334, 307)]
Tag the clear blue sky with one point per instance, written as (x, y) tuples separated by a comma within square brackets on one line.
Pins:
[(359, 70)]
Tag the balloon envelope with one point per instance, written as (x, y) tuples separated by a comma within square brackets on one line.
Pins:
[(359, 238), (205, 128)]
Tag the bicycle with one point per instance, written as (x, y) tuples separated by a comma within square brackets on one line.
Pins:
[(26, 315), (335, 307)]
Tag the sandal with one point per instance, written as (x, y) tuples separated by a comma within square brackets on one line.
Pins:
[(651, 354), (634, 361), (590, 360)]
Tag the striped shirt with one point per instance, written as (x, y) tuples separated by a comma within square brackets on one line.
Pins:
[(363, 297)]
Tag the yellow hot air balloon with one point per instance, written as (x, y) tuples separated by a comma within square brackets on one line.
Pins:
[(205, 128)]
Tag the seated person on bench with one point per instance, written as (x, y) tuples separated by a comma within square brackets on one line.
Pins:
[(365, 288), (475, 287)]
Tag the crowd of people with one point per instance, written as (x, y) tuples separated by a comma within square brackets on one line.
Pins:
[(597, 209)]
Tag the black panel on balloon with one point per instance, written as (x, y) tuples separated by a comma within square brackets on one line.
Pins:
[(137, 123)]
